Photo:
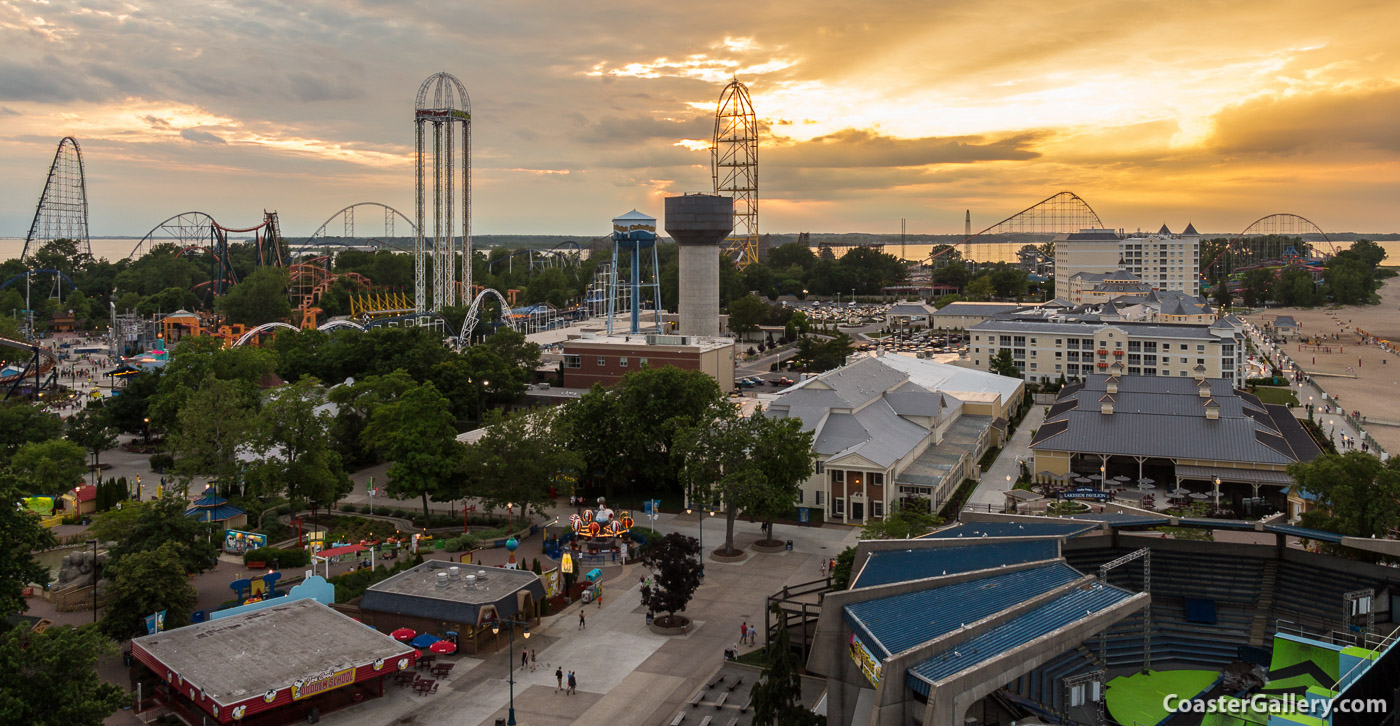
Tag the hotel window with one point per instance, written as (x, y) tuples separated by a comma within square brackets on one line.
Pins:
[(819, 467), (1057, 355), (1057, 366), (641, 362), (602, 362), (838, 476), (877, 478), (799, 496), (1149, 371), (622, 361), (820, 495), (573, 361), (1134, 346), (838, 506), (1133, 371), (1019, 340), (877, 509)]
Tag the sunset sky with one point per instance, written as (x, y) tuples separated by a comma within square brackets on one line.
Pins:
[(1213, 112)]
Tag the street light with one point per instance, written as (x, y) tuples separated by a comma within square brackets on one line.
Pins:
[(145, 430), (702, 538), (1217, 492), (510, 665), (93, 542)]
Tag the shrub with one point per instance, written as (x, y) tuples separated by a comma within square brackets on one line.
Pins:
[(460, 544), (350, 508), (284, 509), (283, 557), (401, 514), (161, 463)]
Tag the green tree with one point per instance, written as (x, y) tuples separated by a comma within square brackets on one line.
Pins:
[(841, 573), (791, 254), (160, 522), (196, 361), (720, 465), (22, 534), (628, 433), (1357, 495), (518, 458), (92, 429), (1003, 364), (214, 423), (904, 521), (20, 425), (816, 355), (674, 558), (777, 697), (144, 583), (1257, 286), (295, 455), (355, 403), (747, 313), (50, 678), (130, 410), (980, 288), (1223, 298), (415, 432), (49, 467), (259, 298)]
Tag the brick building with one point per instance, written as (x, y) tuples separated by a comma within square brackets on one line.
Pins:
[(606, 359)]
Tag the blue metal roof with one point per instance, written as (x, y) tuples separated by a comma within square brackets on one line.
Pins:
[(1123, 520), (1293, 531), (894, 624), (887, 566), (1059, 613), (220, 513), (1049, 528)]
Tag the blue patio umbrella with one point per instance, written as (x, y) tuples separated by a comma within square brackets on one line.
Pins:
[(424, 640)]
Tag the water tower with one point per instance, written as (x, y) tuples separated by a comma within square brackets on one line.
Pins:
[(634, 233), (699, 223)]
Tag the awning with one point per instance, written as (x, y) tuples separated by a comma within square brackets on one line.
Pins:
[(1248, 476), (325, 554)]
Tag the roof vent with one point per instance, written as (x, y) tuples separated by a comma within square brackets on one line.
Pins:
[(1111, 384), (441, 580), (455, 572), (1106, 404), (471, 581), (1203, 388), (1212, 410)]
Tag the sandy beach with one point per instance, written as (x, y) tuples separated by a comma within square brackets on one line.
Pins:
[(1361, 377)]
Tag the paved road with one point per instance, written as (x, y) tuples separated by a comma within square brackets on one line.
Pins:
[(994, 481)]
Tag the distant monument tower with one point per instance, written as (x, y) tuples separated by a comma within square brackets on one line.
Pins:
[(967, 224), (442, 122), (699, 223)]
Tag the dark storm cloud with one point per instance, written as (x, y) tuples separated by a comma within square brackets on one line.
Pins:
[(202, 137), (861, 148), (1296, 124)]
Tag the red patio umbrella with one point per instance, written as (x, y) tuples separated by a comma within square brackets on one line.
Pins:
[(443, 647), (403, 634)]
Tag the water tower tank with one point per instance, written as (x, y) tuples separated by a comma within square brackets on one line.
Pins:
[(699, 223)]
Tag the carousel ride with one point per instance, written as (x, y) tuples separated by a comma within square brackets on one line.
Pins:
[(596, 532)]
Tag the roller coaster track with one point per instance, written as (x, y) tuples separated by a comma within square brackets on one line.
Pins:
[(1059, 213), (48, 360), (1238, 252)]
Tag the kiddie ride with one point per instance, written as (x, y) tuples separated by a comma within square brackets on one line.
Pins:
[(599, 532)]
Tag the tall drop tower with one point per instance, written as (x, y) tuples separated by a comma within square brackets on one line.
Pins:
[(443, 124), (734, 159), (699, 223), (967, 224)]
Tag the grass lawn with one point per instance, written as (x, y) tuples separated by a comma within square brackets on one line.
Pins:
[(1280, 396)]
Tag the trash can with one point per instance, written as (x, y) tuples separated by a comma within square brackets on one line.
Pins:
[(126, 658), (789, 544), (500, 722)]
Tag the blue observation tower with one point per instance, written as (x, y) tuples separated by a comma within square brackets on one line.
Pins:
[(634, 233)]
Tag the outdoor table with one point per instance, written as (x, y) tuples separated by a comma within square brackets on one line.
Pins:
[(423, 686), (442, 669), (425, 662), (404, 678)]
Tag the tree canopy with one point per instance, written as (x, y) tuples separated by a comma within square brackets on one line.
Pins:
[(144, 583), (150, 525), (673, 559), (518, 459), (415, 432), (50, 678), (49, 467), (1357, 495), (22, 534)]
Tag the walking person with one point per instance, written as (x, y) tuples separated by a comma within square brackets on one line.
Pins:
[(573, 684), (744, 632), (524, 659), (581, 621), (559, 676), (532, 660)]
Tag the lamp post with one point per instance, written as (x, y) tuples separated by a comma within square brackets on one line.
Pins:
[(702, 537), (146, 431), (510, 665), (1103, 474), (93, 542), (1217, 492)]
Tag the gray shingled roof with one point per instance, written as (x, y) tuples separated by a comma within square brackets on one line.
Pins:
[(1036, 326), (1162, 416), (965, 308)]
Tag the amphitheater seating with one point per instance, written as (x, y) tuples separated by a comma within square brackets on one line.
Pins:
[(1313, 596)]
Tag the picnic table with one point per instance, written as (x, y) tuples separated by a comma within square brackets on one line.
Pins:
[(442, 669), (426, 661), (404, 678), (424, 686)]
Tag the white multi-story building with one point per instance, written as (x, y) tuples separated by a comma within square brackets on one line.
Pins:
[(1163, 260), (1045, 349)]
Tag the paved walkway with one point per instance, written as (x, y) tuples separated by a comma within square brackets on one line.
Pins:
[(989, 491)]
